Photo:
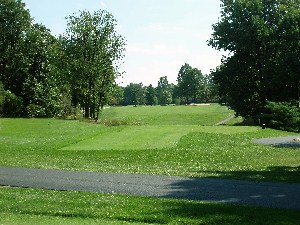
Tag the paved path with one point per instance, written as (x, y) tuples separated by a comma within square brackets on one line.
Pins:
[(289, 141), (276, 195), (225, 120)]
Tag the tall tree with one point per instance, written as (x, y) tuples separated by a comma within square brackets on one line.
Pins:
[(26, 64), (15, 21), (164, 93), (134, 94), (190, 82), (94, 49), (151, 98), (41, 88), (262, 37)]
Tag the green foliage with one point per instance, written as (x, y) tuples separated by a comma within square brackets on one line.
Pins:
[(134, 94), (14, 23), (264, 61), (29, 64), (151, 98), (282, 115), (35, 111), (164, 92), (94, 49), (189, 83), (117, 96), (12, 105), (46, 74), (2, 97)]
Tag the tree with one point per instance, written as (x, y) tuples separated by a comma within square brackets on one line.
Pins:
[(41, 88), (15, 21), (209, 91), (262, 37), (151, 98), (134, 94), (190, 81), (117, 96), (164, 93), (94, 49), (27, 65)]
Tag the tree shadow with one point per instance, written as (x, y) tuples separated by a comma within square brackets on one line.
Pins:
[(287, 145), (193, 212), (234, 196), (244, 187), (287, 174)]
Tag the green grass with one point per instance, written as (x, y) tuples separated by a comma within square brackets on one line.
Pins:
[(171, 140), (147, 137), (183, 150), (167, 115), (29, 206)]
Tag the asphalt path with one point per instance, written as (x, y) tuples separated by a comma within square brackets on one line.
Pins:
[(265, 194), (289, 141)]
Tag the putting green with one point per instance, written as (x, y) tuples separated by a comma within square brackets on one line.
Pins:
[(147, 137)]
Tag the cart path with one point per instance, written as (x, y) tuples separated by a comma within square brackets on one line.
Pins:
[(225, 120), (288, 141), (265, 194)]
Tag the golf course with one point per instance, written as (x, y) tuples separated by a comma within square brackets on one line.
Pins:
[(150, 140)]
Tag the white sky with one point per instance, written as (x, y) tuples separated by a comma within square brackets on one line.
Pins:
[(161, 35)]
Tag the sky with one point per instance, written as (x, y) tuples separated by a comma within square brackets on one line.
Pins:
[(161, 35)]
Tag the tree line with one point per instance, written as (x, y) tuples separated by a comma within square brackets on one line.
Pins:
[(46, 76), (42, 75), (260, 79), (192, 87)]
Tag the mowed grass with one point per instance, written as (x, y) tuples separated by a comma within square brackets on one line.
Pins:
[(167, 115), (147, 137), (182, 150), (184, 146), (30, 206)]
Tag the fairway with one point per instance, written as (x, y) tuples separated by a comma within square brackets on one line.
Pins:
[(167, 115), (148, 137)]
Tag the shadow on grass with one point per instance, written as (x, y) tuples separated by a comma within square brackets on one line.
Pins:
[(286, 174), (270, 196), (207, 213), (242, 192)]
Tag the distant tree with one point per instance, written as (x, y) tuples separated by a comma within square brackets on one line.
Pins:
[(117, 96), (190, 81), (134, 94), (94, 49), (208, 90), (164, 93), (151, 98)]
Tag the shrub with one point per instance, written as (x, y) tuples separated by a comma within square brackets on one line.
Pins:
[(34, 111), (12, 105), (282, 115)]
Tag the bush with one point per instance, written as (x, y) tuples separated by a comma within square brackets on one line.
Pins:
[(282, 115), (34, 111), (12, 105)]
